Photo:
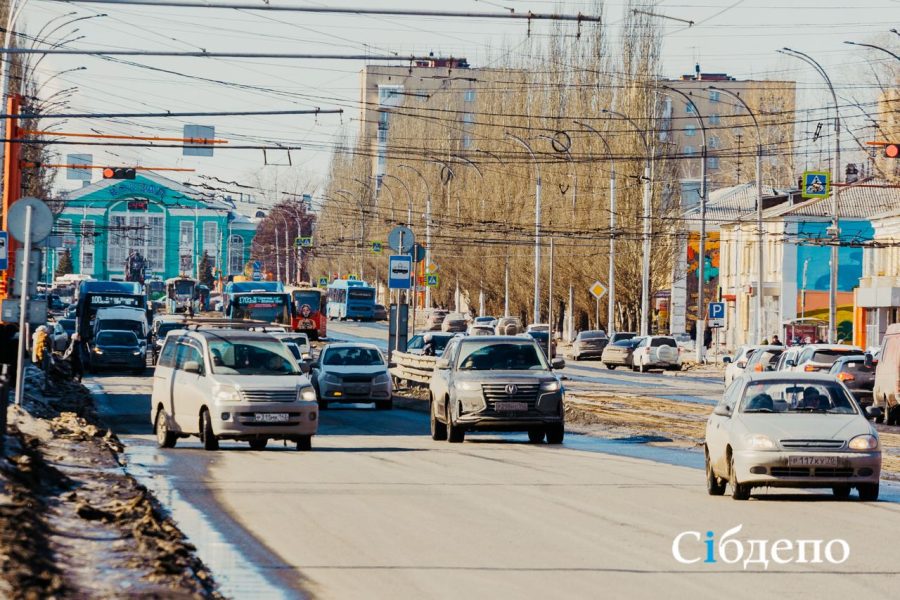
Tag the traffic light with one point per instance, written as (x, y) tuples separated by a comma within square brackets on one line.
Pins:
[(892, 150), (118, 173), (2, 287)]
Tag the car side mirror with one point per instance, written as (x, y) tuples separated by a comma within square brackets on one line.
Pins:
[(192, 366), (314, 365), (558, 363), (442, 364), (722, 410), (726, 359), (874, 412), (304, 367), (790, 362), (869, 361)]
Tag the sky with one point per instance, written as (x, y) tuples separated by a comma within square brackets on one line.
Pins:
[(733, 36)]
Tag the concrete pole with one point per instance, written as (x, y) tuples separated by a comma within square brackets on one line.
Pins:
[(23, 309), (427, 226), (550, 307), (611, 308), (537, 228), (645, 262), (277, 261)]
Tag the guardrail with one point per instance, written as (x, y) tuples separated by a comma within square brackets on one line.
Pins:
[(412, 368)]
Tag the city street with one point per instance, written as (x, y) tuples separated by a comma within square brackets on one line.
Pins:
[(378, 509)]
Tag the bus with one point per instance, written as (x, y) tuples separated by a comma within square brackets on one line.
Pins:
[(271, 307), (241, 287), (93, 294), (309, 311), (181, 292), (351, 299)]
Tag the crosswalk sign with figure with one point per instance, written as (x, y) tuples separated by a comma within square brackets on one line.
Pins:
[(431, 279), (816, 184)]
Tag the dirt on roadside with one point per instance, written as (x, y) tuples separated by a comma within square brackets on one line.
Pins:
[(73, 523)]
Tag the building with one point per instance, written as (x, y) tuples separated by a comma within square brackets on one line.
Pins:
[(878, 296), (171, 225), (731, 136)]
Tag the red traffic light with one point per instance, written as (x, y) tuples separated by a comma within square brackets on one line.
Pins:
[(118, 173), (892, 150)]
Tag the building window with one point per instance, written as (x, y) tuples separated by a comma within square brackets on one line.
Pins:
[(470, 96), (86, 263), (690, 151), (390, 95), (382, 136), (236, 255), (690, 130), (186, 247), (712, 162), (714, 119), (467, 141), (136, 233), (713, 95), (689, 108), (211, 241), (714, 141)]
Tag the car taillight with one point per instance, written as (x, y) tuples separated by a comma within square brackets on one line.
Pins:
[(810, 368), (844, 376)]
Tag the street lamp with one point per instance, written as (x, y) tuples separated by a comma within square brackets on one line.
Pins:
[(611, 282), (358, 253), (408, 197), (506, 263), (699, 330), (648, 210), (481, 280), (427, 227), (760, 316), (537, 227), (875, 47), (834, 231)]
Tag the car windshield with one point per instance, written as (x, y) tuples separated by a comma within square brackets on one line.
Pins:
[(797, 397), (482, 331), (483, 319), (295, 351), (592, 335), (853, 366), (827, 357), (122, 325), (165, 328), (660, 341), (116, 338), (415, 342), (352, 357), (300, 340), (630, 343), (68, 325), (540, 336), (251, 356), (503, 356)]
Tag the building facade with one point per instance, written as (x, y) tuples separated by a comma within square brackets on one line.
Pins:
[(169, 224)]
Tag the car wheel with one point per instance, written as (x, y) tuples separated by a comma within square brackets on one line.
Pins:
[(890, 414), (739, 491), (438, 429), (384, 405), (868, 492), (209, 439), (536, 436), (455, 433), (841, 492), (611, 367), (576, 358), (556, 433), (304, 443), (258, 443), (714, 485), (164, 437)]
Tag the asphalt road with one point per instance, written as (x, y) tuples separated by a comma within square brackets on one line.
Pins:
[(378, 510)]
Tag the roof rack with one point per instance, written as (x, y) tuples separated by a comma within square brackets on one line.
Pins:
[(213, 323)]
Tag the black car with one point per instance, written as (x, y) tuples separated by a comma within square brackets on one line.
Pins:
[(859, 378), (116, 349)]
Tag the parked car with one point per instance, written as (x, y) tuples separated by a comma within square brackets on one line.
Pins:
[(117, 349), (886, 390), (763, 358), (858, 375), (62, 332), (589, 344), (656, 352), (620, 353), (791, 430), (509, 326), (790, 354), (621, 335), (379, 313), (537, 327), (819, 357), (734, 364), (434, 319), (416, 344), (684, 341), (352, 372), (542, 338), (231, 384), (485, 321), (475, 329), (162, 325), (455, 322), (301, 340), (497, 383)]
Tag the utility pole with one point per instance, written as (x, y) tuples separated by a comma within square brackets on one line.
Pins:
[(427, 227), (537, 227)]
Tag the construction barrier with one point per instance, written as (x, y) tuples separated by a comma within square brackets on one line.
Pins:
[(412, 368)]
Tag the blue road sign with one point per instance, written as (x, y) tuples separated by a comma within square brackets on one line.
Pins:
[(257, 276), (431, 279), (715, 314), (400, 270), (323, 282), (816, 184), (376, 247), (4, 251), (257, 266)]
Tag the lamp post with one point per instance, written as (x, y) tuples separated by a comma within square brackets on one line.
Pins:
[(875, 47), (701, 262), (648, 214), (834, 231), (408, 197), (427, 226), (537, 227), (481, 280), (353, 197), (506, 262), (760, 274)]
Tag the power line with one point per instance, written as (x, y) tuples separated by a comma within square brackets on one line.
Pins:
[(152, 115)]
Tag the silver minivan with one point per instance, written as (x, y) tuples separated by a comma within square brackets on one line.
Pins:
[(231, 384)]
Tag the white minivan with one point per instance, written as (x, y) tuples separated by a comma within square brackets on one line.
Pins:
[(231, 384)]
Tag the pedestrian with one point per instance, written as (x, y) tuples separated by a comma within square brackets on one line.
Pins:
[(40, 352), (765, 342), (776, 341), (707, 337), (190, 310), (428, 346), (73, 355)]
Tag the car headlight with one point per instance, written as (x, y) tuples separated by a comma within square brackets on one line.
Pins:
[(550, 386), (307, 393), (227, 394), (380, 379), (469, 386), (97, 350), (329, 378), (758, 441), (137, 352), (864, 442)]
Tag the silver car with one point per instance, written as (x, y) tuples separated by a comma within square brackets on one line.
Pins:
[(352, 373), (791, 430)]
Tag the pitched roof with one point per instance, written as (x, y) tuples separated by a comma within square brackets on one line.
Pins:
[(863, 200), (731, 203)]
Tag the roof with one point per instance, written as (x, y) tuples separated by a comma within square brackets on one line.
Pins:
[(732, 203), (864, 200)]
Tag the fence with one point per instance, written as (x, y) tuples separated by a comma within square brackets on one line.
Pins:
[(412, 368)]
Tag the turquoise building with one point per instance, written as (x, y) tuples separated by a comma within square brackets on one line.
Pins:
[(168, 223)]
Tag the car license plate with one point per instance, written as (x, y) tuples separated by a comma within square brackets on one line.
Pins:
[(511, 406), (272, 417), (813, 461)]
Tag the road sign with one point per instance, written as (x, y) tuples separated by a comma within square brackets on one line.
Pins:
[(198, 132), (597, 289), (41, 219), (816, 184), (419, 253), (431, 279), (257, 276), (303, 242), (323, 282), (715, 314), (376, 247), (408, 236), (400, 269), (432, 268), (4, 251), (352, 277)]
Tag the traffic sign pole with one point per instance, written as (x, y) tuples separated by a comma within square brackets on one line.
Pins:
[(23, 309)]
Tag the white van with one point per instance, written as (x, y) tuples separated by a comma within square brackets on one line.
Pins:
[(886, 393)]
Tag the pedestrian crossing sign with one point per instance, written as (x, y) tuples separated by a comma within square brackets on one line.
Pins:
[(816, 184), (431, 279), (323, 282), (376, 247)]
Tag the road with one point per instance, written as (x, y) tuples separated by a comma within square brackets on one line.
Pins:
[(378, 510)]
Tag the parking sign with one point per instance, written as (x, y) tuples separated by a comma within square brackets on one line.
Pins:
[(715, 314)]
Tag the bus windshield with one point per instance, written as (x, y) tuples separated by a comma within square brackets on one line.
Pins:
[(361, 294), (261, 307), (184, 287), (311, 298)]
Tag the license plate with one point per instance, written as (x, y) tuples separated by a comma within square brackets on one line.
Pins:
[(511, 406), (272, 417), (813, 461)]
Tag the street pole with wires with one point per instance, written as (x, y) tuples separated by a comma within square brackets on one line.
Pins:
[(427, 226), (537, 227)]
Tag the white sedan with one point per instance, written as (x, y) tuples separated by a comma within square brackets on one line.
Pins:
[(791, 430)]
